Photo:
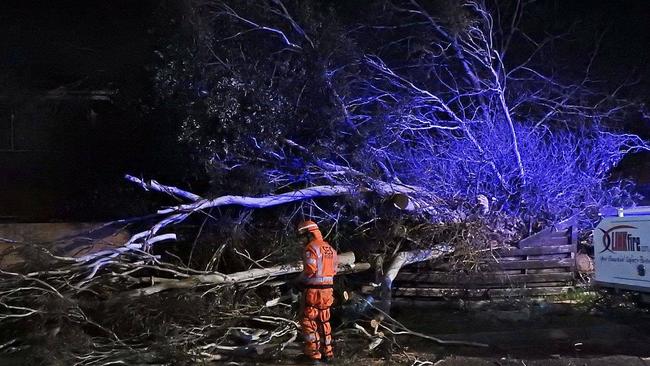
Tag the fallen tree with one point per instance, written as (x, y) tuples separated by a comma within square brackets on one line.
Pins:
[(143, 240), (130, 275)]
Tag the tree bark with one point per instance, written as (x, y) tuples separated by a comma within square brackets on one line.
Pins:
[(402, 259), (346, 264)]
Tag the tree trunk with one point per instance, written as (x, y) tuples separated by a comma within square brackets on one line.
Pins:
[(346, 264)]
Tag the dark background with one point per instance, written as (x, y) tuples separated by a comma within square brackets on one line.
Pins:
[(68, 156), (64, 158)]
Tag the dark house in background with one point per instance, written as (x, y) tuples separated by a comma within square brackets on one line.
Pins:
[(44, 141), (73, 81)]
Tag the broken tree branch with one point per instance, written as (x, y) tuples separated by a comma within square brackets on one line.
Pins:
[(402, 259), (155, 186), (266, 201)]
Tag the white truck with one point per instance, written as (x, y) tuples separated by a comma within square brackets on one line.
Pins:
[(622, 250)]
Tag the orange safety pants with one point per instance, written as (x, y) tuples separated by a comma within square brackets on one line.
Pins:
[(316, 322)]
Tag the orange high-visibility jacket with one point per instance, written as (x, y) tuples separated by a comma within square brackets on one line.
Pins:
[(320, 263)]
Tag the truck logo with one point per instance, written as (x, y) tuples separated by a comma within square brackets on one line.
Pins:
[(620, 241)]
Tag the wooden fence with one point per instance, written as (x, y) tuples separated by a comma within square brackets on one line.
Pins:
[(541, 265)]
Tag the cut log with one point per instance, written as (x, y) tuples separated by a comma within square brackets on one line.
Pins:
[(346, 264)]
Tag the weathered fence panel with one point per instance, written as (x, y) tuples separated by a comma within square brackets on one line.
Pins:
[(542, 264)]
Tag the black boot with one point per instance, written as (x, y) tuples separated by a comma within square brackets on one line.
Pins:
[(327, 359), (304, 359)]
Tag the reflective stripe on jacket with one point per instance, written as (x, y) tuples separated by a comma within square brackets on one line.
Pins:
[(320, 263)]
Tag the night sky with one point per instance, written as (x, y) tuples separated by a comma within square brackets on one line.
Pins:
[(96, 45)]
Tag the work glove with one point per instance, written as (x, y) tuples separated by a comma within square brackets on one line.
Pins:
[(297, 283), (295, 295)]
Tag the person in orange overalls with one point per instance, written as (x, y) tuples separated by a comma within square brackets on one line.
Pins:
[(318, 280)]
